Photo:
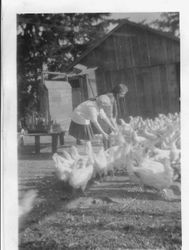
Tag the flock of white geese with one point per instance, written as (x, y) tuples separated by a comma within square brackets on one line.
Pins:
[(147, 150)]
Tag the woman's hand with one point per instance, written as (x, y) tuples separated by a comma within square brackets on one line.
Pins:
[(101, 131)]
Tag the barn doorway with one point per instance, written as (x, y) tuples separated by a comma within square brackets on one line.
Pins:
[(83, 84)]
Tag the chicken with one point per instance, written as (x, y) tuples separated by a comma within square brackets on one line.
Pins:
[(75, 169), (130, 171), (124, 125), (100, 163), (27, 203), (164, 145), (67, 156), (174, 152), (115, 158), (134, 157), (177, 170), (81, 174), (117, 139), (110, 162), (160, 154), (151, 136), (82, 170), (99, 160), (63, 167), (74, 153), (138, 139), (158, 175)]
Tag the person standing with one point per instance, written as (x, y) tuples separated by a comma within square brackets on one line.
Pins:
[(119, 91)]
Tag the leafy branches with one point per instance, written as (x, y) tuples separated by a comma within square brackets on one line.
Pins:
[(53, 39), (169, 22)]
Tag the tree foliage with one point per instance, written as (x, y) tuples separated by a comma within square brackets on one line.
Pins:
[(169, 22), (54, 40)]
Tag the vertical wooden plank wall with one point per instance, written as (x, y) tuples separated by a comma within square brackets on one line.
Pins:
[(156, 86), (172, 87), (164, 88), (141, 60), (147, 79)]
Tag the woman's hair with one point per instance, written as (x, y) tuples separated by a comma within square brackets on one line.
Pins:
[(103, 100), (120, 89)]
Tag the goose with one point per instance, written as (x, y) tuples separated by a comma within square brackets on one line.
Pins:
[(82, 172), (159, 154), (138, 139), (27, 202), (155, 174), (100, 163), (151, 136), (116, 158), (174, 152), (63, 167), (74, 153), (67, 156)]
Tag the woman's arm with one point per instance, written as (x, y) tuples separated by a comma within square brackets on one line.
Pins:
[(98, 127), (110, 122), (113, 122), (108, 119)]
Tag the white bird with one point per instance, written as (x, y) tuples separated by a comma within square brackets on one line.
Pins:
[(27, 203), (81, 174), (63, 167), (138, 138), (174, 152), (159, 154), (116, 158), (82, 170), (150, 136), (164, 145), (158, 175), (124, 125), (74, 153), (117, 138), (67, 156), (100, 163)]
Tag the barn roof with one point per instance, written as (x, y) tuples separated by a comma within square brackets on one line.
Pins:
[(123, 22)]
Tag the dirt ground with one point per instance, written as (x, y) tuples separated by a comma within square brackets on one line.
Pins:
[(113, 214)]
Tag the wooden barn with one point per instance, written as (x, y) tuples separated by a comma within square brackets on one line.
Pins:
[(146, 60)]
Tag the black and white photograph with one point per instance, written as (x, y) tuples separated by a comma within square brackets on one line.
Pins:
[(98, 131)]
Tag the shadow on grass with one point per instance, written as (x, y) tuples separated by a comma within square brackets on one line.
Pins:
[(52, 195), (27, 152), (124, 191)]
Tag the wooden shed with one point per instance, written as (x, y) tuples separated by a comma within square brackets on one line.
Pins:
[(146, 60)]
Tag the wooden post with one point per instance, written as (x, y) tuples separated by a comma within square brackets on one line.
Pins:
[(54, 142), (37, 144), (61, 138)]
